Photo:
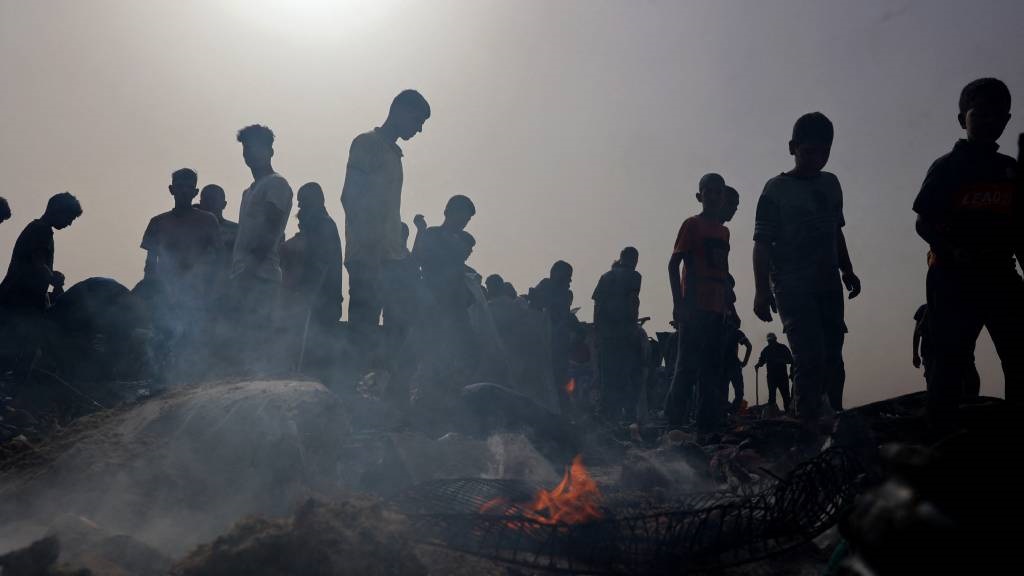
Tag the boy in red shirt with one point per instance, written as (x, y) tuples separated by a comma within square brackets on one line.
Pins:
[(700, 300)]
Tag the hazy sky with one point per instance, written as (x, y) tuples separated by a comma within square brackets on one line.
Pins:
[(578, 127)]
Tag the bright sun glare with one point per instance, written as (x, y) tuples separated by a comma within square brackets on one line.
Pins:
[(315, 19)]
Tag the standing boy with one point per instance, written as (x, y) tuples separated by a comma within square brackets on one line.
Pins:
[(969, 213), (801, 264), (700, 295), (616, 312)]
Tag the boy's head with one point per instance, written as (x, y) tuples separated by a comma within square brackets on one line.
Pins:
[(510, 291), (310, 195), (731, 203), (257, 145), (405, 234), (812, 142), (772, 339), (409, 110), (629, 257), (62, 209), (459, 210), (212, 199), (184, 186), (5, 209), (984, 109), (561, 272), (711, 194), (495, 284)]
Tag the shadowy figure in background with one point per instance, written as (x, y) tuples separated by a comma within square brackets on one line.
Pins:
[(968, 214), (372, 198), (5, 210), (318, 275), (30, 273), (256, 261), (616, 312), (25, 290), (776, 356), (735, 338), (495, 286), (183, 248), (448, 355), (700, 298), (213, 200), (801, 263), (923, 353), (552, 295)]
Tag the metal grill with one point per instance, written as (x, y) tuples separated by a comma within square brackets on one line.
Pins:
[(693, 534)]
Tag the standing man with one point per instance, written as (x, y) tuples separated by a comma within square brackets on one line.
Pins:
[(256, 262), (372, 199), (213, 200), (777, 358), (616, 311)]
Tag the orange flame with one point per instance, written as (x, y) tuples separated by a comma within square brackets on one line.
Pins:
[(575, 500), (570, 386)]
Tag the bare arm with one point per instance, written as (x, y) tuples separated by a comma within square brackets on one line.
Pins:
[(850, 279), (764, 302), (675, 270), (917, 346), (746, 354)]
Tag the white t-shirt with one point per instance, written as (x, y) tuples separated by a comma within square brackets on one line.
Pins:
[(253, 228)]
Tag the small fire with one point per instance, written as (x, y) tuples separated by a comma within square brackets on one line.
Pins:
[(570, 386), (575, 500)]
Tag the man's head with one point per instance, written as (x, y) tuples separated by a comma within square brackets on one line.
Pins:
[(510, 291), (409, 110), (212, 199), (772, 338), (812, 142), (731, 203), (561, 272), (458, 212), (405, 234), (984, 109), (629, 257), (468, 243), (184, 186), (61, 210), (5, 209), (711, 194), (257, 145)]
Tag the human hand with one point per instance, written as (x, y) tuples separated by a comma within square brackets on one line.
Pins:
[(764, 305), (917, 361), (852, 283)]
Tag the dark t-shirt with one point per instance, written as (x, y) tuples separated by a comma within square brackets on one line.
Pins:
[(733, 340), (186, 244), (800, 220), (775, 357), (441, 255), (969, 197), (617, 299), (554, 299), (28, 275)]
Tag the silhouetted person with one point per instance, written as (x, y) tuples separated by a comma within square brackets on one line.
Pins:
[(735, 338), (213, 200), (30, 273), (256, 261), (616, 311), (553, 296), (801, 264), (372, 198), (777, 357), (5, 210), (700, 297), (24, 292), (923, 354), (183, 248), (441, 252), (320, 276), (968, 214)]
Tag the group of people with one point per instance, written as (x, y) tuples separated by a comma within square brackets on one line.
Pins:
[(205, 274)]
